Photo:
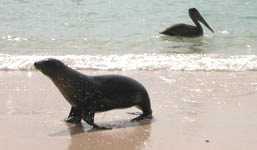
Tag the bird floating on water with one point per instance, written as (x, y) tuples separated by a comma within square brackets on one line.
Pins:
[(188, 30)]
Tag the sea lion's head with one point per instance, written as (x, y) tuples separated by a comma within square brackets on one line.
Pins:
[(50, 67)]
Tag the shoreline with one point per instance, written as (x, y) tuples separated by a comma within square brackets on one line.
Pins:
[(192, 110)]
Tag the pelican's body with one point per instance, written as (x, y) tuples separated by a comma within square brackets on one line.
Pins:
[(188, 30)]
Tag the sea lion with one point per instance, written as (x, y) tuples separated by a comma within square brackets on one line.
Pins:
[(92, 94)]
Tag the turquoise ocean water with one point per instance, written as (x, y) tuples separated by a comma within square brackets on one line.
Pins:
[(124, 35)]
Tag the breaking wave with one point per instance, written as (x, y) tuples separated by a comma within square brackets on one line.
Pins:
[(173, 62)]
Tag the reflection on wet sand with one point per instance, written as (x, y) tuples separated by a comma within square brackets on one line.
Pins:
[(130, 137)]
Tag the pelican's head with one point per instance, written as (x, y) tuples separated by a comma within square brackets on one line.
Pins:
[(195, 14)]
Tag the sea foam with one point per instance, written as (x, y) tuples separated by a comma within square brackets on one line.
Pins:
[(173, 62)]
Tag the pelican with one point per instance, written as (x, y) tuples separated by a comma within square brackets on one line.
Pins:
[(188, 30)]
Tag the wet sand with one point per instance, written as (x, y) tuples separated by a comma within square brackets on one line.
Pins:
[(192, 110)]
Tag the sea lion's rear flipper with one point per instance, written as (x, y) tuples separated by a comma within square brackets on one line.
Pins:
[(145, 107), (143, 117), (134, 113)]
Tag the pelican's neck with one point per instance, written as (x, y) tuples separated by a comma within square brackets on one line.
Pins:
[(195, 20)]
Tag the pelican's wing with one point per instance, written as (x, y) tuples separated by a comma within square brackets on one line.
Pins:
[(178, 29)]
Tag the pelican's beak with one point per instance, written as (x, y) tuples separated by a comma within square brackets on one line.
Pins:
[(200, 18)]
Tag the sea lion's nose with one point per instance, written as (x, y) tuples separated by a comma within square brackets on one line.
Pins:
[(37, 65)]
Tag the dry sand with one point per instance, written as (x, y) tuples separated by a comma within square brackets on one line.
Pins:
[(192, 110)]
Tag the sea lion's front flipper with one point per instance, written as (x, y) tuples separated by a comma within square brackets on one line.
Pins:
[(88, 117), (75, 116)]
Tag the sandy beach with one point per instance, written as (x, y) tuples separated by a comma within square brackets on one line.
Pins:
[(192, 110)]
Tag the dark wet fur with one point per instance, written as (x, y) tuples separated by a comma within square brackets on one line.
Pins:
[(92, 94)]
